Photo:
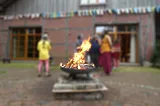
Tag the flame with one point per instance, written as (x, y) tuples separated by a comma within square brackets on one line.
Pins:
[(79, 56)]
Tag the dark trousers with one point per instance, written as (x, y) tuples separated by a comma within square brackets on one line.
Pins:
[(94, 58)]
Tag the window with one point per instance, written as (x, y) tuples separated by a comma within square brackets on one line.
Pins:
[(24, 43), (92, 2), (100, 29)]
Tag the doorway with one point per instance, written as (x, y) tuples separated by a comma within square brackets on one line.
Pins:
[(127, 35), (24, 43), (125, 48)]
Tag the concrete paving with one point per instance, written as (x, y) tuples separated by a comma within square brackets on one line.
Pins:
[(22, 87)]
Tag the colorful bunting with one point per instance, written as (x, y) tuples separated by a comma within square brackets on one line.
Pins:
[(131, 10), (75, 12), (153, 9), (26, 16), (54, 15), (47, 15), (127, 11), (87, 12), (158, 9), (105, 11), (79, 13), (97, 12), (94, 12), (101, 12), (118, 11), (114, 11), (91, 12), (83, 12), (32, 16), (43, 15), (135, 10), (123, 11), (63, 14), (20, 16), (139, 10), (143, 10), (110, 11), (72, 14), (149, 9), (67, 14)]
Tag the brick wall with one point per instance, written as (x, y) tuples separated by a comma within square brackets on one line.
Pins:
[(62, 29)]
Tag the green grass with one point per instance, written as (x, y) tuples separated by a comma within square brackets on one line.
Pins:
[(18, 65), (24, 65), (137, 69), (3, 72), (56, 67)]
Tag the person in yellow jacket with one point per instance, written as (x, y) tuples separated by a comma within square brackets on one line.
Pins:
[(44, 46)]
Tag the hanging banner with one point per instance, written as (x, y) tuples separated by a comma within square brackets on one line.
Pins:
[(72, 14), (127, 11), (91, 12), (144, 10), (149, 9), (135, 10), (94, 12), (123, 11), (110, 11), (139, 10), (118, 11), (152, 9), (158, 9), (131, 10), (79, 13)]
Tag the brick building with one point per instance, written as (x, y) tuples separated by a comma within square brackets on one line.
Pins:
[(21, 28)]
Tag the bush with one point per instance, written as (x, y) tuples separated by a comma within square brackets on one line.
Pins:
[(156, 56)]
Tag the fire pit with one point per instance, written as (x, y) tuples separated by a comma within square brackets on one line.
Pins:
[(87, 69), (77, 64), (76, 84)]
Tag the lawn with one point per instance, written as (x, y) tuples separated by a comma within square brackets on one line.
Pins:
[(120, 69), (23, 65), (137, 69)]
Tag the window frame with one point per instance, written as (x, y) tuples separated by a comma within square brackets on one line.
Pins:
[(96, 4), (26, 42)]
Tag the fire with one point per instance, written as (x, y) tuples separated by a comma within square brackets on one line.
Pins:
[(79, 57)]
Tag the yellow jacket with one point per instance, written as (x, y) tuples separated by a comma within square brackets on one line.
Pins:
[(43, 47), (106, 44)]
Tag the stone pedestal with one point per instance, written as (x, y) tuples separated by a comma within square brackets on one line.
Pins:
[(79, 86)]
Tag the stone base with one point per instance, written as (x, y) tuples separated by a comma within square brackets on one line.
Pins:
[(78, 87), (79, 96)]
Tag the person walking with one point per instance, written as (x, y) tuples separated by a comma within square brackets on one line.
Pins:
[(105, 49), (79, 40), (43, 48), (94, 51), (116, 53)]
